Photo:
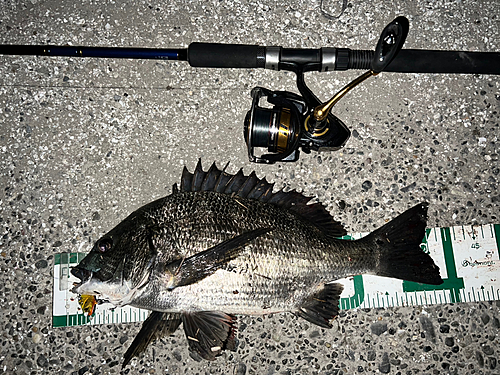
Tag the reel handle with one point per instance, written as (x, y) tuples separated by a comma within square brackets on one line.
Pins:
[(390, 43)]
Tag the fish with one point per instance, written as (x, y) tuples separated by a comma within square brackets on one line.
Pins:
[(222, 245)]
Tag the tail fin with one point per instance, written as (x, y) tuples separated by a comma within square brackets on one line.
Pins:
[(398, 243)]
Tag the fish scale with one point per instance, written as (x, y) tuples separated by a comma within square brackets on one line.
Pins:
[(257, 265), (312, 258)]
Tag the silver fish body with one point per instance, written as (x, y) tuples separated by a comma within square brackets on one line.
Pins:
[(276, 272)]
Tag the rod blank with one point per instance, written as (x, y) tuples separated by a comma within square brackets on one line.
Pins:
[(213, 55), (103, 52)]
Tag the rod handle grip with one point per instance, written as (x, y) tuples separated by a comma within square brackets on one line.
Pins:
[(216, 55)]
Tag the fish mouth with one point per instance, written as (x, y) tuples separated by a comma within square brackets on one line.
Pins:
[(81, 273)]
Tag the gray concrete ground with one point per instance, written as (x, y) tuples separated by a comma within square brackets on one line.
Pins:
[(86, 141)]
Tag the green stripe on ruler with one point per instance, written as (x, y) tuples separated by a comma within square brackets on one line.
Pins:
[(69, 320), (66, 258), (497, 236)]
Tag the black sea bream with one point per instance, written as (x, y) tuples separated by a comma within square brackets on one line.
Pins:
[(225, 244)]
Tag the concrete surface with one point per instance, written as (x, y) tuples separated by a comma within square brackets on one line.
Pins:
[(86, 141)]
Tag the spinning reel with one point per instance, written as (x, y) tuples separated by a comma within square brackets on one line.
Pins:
[(302, 121)]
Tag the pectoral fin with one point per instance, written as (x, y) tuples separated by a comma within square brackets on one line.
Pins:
[(195, 268), (209, 332), (322, 306), (157, 325)]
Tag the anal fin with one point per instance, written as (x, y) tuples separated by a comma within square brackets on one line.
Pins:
[(322, 306), (157, 325), (209, 332)]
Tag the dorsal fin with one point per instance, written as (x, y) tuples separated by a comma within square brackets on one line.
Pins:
[(251, 187)]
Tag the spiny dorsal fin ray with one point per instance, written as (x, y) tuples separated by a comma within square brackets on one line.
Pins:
[(235, 182), (248, 185), (198, 176), (223, 179), (260, 189), (186, 180), (251, 187), (211, 178)]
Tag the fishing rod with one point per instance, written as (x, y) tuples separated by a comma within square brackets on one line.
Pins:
[(295, 121)]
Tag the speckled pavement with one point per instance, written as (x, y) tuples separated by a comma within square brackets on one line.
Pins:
[(86, 141)]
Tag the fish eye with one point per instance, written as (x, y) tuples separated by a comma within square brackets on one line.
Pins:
[(104, 245)]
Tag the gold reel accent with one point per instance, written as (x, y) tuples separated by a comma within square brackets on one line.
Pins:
[(283, 133), (316, 132), (321, 111)]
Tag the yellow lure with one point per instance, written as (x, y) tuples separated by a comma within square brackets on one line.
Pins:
[(87, 303)]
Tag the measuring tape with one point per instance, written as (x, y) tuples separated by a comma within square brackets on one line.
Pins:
[(467, 256)]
